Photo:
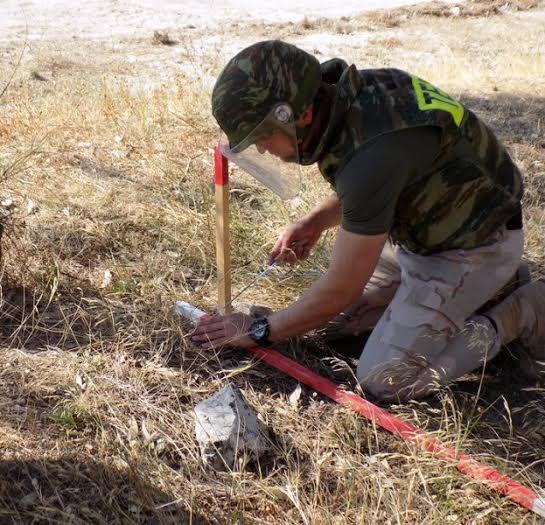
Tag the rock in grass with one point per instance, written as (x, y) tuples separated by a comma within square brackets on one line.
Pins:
[(227, 430)]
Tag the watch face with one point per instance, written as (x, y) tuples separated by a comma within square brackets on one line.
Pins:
[(259, 331), (260, 328)]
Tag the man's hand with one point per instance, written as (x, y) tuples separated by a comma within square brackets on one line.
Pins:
[(353, 260), (296, 241), (226, 330)]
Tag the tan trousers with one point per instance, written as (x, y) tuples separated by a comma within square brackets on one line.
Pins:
[(428, 334)]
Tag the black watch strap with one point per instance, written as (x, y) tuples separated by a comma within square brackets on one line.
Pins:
[(259, 331)]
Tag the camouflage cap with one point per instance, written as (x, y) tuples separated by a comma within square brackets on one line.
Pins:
[(259, 77)]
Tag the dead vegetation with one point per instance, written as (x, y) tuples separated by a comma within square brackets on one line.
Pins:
[(467, 9), (107, 203), (163, 38), (394, 18)]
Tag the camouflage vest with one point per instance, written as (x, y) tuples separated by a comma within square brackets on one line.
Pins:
[(473, 188)]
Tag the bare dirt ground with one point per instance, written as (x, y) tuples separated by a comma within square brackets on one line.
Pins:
[(107, 206)]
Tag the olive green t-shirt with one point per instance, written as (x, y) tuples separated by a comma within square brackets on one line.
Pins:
[(372, 181)]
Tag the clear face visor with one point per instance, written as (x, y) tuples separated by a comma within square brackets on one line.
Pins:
[(269, 152)]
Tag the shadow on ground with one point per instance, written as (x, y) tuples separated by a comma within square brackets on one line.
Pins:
[(66, 490)]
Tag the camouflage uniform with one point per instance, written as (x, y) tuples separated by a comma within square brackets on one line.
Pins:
[(453, 252), (429, 333), (472, 175)]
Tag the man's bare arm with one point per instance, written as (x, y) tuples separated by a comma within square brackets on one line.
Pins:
[(327, 214), (353, 261)]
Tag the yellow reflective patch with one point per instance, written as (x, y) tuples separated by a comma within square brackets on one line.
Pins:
[(429, 97)]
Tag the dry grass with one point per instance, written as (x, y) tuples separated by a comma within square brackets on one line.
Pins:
[(110, 176)]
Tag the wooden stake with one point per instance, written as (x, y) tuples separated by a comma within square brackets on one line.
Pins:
[(223, 246)]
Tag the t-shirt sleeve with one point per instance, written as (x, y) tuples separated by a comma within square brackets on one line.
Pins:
[(370, 184)]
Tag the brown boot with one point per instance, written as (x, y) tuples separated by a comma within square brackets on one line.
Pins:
[(522, 316)]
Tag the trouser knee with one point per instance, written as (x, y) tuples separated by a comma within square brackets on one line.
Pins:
[(400, 381)]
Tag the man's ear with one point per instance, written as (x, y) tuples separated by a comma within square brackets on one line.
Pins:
[(306, 118)]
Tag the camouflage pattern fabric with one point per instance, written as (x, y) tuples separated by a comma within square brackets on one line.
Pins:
[(429, 335), (332, 70), (473, 188), (258, 78)]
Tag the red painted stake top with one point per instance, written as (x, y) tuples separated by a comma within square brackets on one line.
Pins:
[(221, 168)]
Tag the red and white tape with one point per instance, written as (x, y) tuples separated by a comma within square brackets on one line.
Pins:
[(408, 432)]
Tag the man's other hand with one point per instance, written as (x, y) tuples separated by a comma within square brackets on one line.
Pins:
[(295, 242)]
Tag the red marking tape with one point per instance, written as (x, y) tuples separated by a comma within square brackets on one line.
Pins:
[(463, 462), (221, 168), (406, 431)]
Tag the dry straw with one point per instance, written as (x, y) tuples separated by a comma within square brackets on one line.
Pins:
[(107, 164)]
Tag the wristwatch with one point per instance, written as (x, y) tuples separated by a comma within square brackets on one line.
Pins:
[(259, 331)]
